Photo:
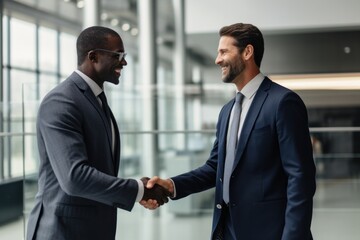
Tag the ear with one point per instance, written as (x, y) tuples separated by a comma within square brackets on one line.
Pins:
[(92, 56), (248, 52)]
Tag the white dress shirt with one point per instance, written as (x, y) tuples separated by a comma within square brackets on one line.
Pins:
[(249, 92)]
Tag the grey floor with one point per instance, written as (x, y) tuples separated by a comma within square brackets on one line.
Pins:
[(336, 216)]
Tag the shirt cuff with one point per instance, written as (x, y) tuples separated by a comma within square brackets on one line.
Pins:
[(140, 193), (174, 194)]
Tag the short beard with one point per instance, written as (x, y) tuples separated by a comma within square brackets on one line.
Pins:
[(229, 77), (234, 71)]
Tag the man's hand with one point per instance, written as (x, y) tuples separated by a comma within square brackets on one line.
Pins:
[(166, 183), (154, 196)]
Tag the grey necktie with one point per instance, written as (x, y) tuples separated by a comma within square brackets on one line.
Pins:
[(232, 145)]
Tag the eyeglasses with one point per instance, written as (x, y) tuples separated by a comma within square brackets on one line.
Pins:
[(122, 55)]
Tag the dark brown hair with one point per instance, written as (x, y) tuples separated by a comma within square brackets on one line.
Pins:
[(245, 34)]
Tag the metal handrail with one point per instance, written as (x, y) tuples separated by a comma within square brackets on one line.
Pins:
[(312, 130)]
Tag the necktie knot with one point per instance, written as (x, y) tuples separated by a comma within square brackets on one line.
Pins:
[(239, 97), (105, 105), (103, 99)]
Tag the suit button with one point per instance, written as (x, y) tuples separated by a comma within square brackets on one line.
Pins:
[(218, 206), (220, 179)]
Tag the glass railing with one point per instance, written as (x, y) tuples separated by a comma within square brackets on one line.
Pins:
[(338, 183)]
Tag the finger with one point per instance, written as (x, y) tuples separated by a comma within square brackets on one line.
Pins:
[(164, 197), (153, 206), (150, 204), (168, 193), (159, 199), (144, 204)]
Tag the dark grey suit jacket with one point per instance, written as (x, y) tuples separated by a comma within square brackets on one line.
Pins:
[(273, 180), (79, 191)]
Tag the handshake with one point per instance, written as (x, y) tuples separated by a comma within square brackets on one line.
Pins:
[(156, 192)]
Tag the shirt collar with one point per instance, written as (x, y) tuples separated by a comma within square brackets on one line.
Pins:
[(252, 86), (92, 84)]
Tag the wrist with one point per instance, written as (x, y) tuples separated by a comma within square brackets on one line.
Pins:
[(171, 187)]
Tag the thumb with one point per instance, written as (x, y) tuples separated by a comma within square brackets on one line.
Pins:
[(152, 182)]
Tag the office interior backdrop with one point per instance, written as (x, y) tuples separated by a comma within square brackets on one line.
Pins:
[(170, 94)]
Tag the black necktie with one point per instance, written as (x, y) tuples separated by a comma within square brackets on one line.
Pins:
[(105, 107), (232, 145)]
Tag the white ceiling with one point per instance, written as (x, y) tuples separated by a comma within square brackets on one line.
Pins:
[(204, 16)]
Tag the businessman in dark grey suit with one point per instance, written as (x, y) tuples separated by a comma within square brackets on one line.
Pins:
[(265, 175), (79, 145)]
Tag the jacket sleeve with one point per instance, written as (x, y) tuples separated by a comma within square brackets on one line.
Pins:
[(297, 158)]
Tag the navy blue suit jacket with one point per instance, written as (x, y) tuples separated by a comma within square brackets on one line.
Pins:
[(273, 179), (79, 191)]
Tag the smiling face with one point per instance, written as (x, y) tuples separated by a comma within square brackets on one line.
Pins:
[(229, 59), (108, 66)]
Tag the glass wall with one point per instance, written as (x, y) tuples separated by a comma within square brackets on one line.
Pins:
[(31, 57)]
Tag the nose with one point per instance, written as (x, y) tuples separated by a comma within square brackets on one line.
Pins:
[(123, 62), (218, 59)]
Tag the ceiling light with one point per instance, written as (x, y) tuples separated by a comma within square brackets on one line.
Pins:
[(114, 22), (104, 16), (80, 4), (344, 81), (134, 31), (125, 27)]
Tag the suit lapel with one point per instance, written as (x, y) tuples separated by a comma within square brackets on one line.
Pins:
[(251, 117), (93, 100)]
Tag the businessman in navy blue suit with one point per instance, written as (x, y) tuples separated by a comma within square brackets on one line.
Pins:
[(79, 148), (272, 182)]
